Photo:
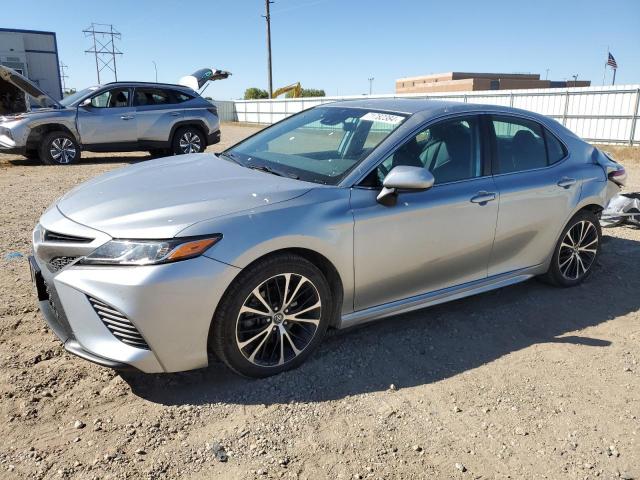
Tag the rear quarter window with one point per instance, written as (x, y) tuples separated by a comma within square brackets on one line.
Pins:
[(556, 151)]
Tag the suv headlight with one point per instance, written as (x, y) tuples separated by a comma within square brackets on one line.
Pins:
[(149, 252)]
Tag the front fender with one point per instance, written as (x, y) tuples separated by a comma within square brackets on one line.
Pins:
[(320, 221)]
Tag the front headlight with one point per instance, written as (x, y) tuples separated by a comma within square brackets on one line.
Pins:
[(149, 252)]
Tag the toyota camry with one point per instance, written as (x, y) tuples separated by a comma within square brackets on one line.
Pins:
[(341, 214)]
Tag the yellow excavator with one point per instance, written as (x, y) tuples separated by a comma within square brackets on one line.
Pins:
[(294, 88)]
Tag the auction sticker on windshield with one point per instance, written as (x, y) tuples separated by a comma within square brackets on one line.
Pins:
[(382, 117)]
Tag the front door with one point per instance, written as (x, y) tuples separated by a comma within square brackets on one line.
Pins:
[(428, 240), (109, 119)]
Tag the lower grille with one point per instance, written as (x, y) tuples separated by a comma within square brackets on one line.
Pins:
[(118, 324), (58, 263)]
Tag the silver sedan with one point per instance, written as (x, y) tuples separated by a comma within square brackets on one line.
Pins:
[(339, 215)]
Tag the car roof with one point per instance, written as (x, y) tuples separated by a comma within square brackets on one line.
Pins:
[(427, 107), (146, 84)]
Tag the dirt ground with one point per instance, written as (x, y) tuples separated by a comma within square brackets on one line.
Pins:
[(526, 382)]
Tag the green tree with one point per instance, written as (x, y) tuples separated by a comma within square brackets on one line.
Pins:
[(254, 93), (313, 92), (308, 92)]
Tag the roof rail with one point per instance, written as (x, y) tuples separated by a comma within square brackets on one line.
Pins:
[(146, 83)]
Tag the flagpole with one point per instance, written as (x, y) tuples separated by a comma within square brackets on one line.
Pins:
[(613, 82), (604, 73)]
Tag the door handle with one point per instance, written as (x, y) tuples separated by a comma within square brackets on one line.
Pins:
[(566, 182), (175, 114), (483, 197), (127, 117)]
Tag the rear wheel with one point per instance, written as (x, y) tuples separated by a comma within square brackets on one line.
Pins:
[(188, 140), (576, 251), (272, 317), (59, 148)]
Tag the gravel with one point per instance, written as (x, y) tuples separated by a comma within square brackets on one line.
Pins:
[(525, 382)]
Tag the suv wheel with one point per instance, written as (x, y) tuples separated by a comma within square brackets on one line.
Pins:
[(188, 140), (576, 252), (272, 317), (59, 148)]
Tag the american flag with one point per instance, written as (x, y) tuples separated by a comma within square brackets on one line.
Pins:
[(612, 62)]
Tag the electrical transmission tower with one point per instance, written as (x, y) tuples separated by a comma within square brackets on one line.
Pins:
[(63, 77), (103, 37)]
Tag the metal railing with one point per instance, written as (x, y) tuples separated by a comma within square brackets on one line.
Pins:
[(597, 114)]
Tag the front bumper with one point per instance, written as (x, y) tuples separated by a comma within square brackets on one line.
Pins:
[(170, 305), (213, 138)]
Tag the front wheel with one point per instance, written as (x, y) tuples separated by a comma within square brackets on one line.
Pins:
[(188, 140), (576, 252), (272, 317), (59, 148)]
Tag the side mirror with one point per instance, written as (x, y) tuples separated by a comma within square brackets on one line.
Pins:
[(404, 178), (85, 103)]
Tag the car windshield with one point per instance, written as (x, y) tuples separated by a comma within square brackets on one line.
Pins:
[(75, 97), (319, 145)]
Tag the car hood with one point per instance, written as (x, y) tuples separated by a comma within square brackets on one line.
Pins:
[(159, 198), (23, 83)]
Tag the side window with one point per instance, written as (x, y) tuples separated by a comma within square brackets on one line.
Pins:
[(519, 144), (555, 150), (181, 97), (151, 96), (450, 150), (114, 98)]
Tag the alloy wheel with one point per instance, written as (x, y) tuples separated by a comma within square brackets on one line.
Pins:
[(578, 250), (278, 320), (190, 142), (62, 150)]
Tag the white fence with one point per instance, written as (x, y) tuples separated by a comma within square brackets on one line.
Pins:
[(597, 114)]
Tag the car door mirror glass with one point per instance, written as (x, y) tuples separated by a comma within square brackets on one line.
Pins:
[(404, 178), (86, 103)]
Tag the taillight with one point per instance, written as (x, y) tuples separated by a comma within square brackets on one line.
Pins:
[(213, 110)]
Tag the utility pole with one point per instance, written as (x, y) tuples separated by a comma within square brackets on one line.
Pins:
[(63, 77), (104, 47), (156, 69), (546, 77), (371, 79), (268, 19)]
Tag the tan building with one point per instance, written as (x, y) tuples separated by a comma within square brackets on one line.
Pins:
[(465, 81)]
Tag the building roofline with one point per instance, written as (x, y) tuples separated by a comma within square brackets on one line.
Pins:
[(470, 75), (19, 30)]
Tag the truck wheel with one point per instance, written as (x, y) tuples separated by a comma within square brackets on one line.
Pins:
[(188, 140), (59, 148)]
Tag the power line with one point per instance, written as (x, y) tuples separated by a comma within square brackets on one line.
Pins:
[(104, 47)]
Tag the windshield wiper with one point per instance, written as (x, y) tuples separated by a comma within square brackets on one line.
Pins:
[(264, 168), (230, 156)]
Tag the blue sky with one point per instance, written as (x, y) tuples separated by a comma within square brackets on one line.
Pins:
[(338, 44)]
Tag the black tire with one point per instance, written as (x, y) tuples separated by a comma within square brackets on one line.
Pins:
[(62, 144), (188, 140), (572, 263), (231, 327)]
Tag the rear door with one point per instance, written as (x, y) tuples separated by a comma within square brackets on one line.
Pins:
[(537, 192), (109, 119), (157, 110)]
